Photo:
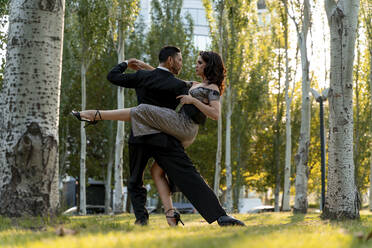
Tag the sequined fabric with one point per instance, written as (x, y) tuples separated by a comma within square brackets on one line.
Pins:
[(149, 119)]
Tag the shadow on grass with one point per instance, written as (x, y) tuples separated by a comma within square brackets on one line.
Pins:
[(296, 218)]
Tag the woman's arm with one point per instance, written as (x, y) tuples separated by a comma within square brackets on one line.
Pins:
[(212, 110)]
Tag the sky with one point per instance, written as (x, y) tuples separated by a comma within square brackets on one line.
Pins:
[(2, 52)]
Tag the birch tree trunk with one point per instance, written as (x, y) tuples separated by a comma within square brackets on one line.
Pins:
[(109, 170), (83, 140), (288, 129), (229, 199), (108, 181), (357, 116), (217, 172), (342, 200), (30, 109), (288, 150), (302, 156), (119, 146), (276, 158)]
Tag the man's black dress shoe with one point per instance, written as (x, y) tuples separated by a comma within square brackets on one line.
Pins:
[(226, 220), (141, 222)]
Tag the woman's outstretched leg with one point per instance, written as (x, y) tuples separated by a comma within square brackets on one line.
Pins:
[(113, 115), (162, 186)]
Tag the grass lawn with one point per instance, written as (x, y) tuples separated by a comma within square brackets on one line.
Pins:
[(263, 230)]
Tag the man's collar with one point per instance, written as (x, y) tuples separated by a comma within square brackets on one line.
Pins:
[(163, 68)]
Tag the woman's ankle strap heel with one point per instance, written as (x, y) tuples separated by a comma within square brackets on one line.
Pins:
[(176, 215)]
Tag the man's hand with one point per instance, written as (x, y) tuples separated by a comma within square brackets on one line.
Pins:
[(133, 64), (136, 64), (186, 99)]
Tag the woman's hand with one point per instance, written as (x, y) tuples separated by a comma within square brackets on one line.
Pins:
[(186, 99)]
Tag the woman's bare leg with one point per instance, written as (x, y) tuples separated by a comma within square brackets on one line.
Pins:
[(162, 186), (113, 115)]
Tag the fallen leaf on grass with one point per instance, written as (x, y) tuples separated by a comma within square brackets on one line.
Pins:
[(61, 231)]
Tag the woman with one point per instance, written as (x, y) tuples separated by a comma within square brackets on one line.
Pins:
[(148, 119)]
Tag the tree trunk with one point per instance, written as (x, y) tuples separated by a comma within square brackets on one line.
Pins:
[(119, 147), (30, 109), (302, 156), (357, 116), (277, 166), (288, 129), (229, 198), (109, 173), (342, 200), (83, 140), (276, 157), (217, 173)]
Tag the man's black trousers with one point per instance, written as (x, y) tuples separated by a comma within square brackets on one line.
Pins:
[(179, 168)]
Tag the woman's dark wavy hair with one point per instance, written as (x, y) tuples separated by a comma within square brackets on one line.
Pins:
[(214, 70)]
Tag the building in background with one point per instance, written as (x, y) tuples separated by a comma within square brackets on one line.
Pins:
[(195, 8)]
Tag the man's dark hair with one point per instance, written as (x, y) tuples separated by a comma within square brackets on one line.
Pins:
[(167, 51)]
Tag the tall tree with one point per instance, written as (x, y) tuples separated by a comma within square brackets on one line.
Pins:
[(29, 109), (342, 197), (215, 12), (288, 102), (122, 16), (92, 24), (302, 156)]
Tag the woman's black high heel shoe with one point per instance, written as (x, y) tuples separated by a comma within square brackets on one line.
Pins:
[(94, 122), (176, 215)]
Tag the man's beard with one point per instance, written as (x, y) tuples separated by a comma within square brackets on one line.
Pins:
[(175, 70)]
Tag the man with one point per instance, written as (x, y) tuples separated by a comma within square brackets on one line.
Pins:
[(160, 87)]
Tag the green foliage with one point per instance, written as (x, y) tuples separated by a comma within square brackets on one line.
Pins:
[(85, 41), (169, 27), (91, 23)]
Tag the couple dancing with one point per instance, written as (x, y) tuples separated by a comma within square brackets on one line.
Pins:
[(158, 131)]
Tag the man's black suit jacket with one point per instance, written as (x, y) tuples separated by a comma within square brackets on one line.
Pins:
[(158, 87)]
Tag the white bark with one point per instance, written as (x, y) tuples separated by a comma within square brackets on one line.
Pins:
[(83, 140), (30, 109), (217, 173), (288, 132), (229, 193), (108, 180), (119, 147), (357, 114), (302, 155), (342, 198)]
